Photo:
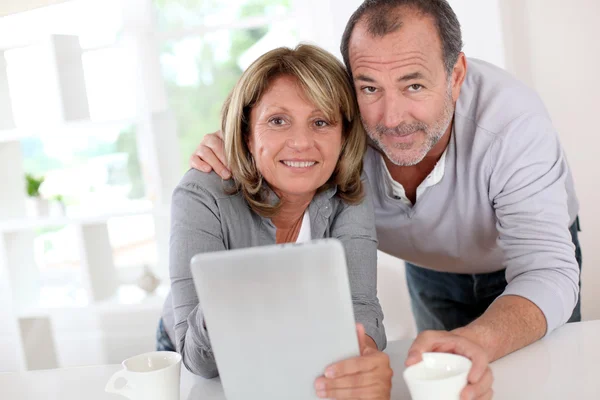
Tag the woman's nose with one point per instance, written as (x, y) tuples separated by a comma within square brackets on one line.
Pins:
[(301, 139)]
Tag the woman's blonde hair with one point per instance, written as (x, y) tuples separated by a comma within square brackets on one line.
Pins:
[(326, 83)]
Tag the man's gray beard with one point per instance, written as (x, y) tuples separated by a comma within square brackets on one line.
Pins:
[(433, 134)]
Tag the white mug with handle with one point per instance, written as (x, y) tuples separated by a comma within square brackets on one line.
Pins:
[(149, 376)]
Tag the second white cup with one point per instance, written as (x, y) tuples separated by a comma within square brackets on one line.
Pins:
[(440, 376)]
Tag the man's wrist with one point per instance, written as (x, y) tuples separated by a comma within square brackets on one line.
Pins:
[(511, 323), (481, 336)]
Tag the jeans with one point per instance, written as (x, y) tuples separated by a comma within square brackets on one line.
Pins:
[(163, 342), (446, 301)]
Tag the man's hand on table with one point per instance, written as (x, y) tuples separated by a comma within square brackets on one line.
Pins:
[(480, 377), (368, 376)]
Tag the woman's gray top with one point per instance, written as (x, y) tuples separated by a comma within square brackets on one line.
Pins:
[(205, 218)]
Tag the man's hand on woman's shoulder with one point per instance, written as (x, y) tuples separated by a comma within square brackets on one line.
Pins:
[(210, 155)]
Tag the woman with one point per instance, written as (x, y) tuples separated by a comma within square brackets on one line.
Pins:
[(295, 147)]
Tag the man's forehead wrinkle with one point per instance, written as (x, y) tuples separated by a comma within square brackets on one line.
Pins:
[(415, 56), (411, 58)]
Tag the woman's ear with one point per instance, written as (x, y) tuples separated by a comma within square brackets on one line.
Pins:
[(249, 139), (246, 131)]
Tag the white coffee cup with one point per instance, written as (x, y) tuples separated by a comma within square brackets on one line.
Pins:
[(149, 376), (440, 376)]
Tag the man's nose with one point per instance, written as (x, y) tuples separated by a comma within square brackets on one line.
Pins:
[(394, 110)]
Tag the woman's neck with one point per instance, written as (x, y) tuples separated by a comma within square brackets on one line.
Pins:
[(292, 209)]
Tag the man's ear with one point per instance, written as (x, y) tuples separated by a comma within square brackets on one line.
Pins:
[(459, 73)]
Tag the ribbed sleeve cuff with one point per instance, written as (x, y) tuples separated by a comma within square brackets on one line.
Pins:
[(375, 329), (201, 339)]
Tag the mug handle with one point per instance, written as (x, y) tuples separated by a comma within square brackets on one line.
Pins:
[(126, 390)]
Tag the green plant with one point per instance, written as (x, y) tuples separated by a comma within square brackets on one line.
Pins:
[(33, 185)]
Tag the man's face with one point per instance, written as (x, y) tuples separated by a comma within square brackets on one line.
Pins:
[(406, 99)]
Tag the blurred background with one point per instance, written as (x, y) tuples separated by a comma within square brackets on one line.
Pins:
[(103, 101)]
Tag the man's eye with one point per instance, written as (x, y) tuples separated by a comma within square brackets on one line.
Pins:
[(415, 88), (369, 89)]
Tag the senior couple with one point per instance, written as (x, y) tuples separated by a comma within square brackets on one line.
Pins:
[(460, 173)]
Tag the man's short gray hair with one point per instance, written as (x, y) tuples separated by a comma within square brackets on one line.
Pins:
[(383, 17)]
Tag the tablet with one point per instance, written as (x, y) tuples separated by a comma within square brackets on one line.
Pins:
[(276, 316)]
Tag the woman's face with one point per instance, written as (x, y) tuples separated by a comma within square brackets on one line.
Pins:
[(295, 147)]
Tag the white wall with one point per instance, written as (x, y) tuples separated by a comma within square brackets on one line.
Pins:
[(558, 54), (482, 29), (322, 22)]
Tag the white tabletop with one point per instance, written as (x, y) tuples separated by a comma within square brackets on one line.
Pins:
[(563, 365)]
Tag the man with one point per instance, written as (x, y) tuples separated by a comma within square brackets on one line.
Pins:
[(470, 185)]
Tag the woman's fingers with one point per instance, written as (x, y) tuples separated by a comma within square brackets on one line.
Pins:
[(366, 377), (347, 382), (356, 365), (375, 392)]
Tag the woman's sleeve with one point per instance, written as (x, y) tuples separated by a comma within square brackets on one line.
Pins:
[(354, 226), (195, 228)]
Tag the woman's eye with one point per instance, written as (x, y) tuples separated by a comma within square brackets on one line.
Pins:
[(415, 88), (321, 123), (277, 121), (369, 89)]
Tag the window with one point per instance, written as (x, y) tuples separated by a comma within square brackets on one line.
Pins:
[(92, 162), (98, 164), (176, 15), (207, 46)]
